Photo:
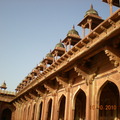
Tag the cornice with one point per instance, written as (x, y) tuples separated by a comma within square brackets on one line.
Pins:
[(97, 37)]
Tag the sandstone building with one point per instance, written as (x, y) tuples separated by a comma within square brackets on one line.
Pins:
[(78, 80)]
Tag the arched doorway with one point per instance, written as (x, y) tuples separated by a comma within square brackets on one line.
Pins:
[(40, 111), (80, 106), (108, 102), (62, 108), (49, 110), (6, 114)]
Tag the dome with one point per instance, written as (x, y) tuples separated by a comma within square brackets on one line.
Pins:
[(3, 86), (60, 45), (73, 32), (49, 55), (91, 11)]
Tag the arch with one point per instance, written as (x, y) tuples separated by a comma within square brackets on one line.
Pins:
[(74, 96), (49, 110), (61, 111), (108, 101), (40, 110), (79, 105), (6, 114)]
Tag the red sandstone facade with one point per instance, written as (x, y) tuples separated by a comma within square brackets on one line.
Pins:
[(78, 80)]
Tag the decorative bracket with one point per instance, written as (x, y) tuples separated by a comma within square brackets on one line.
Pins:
[(62, 81), (19, 102), (114, 57), (27, 98), (49, 88), (85, 76), (23, 99), (15, 103), (32, 95), (81, 73), (39, 92)]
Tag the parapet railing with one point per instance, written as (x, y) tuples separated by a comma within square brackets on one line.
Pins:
[(7, 92)]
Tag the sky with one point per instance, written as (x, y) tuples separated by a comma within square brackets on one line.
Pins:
[(29, 29)]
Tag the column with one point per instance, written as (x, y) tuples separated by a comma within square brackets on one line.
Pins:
[(69, 43), (88, 104), (90, 24), (83, 31), (110, 4), (54, 106), (67, 105)]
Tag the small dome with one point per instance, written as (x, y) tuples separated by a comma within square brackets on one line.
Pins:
[(73, 32), (49, 55), (3, 86), (91, 11), (60, 45)]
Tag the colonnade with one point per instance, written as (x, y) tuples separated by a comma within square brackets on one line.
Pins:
[(73, 104)]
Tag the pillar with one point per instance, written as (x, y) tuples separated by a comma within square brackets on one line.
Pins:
[(110, 4), (83, 31), (67, 105), (90, 24)]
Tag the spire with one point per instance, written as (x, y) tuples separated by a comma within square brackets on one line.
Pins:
[(91, 6), (73, 27), (91, 11), (60, 40)]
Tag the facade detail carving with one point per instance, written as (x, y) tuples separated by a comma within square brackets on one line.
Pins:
[(62, 81), (88, 77), (75, 81), (114, 57)]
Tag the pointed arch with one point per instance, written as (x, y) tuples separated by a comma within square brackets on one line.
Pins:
[(108, 101), (6, 114), (79, 105), (61, 109)]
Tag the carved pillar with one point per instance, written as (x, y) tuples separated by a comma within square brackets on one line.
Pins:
[(110, 4), (65, 46), (88, 116), (15, 112), (30, 111), (83, 31), (69, 43), (67, 105), (44, 108), (90, 24), (54, 107)]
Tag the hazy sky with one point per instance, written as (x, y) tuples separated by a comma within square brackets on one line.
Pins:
[(30, 28)]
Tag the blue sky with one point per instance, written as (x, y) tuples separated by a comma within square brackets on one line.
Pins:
[(30, 28)]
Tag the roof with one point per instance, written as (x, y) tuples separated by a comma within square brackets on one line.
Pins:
[(91, 11), (115, 2), (73, 32)]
